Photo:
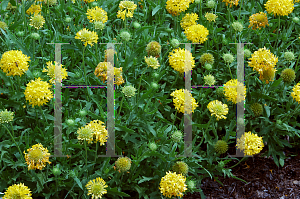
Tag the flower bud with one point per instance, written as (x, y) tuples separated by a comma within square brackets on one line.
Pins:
[(181, 168), (241, 121), (228, 58), (72, 174), (56, 171), (154, 85), (125, 36), (82, 113), (221, 146), (211, 4), (123, 164), (70, 122), (288, 75), (296, 20), (191, 184), (129, 91), (224, 41), (94, 4), (220, 91), (99, 25), (35, 36), (221, 164), (237, 26), (152, 146), (279, 122), (20, 33), (247, 53), (289, 56), (155, 75), (209, 80), (174, 43), (177, 136), (257, 109), (136, 25), (153, 48), (208, 66), (198, 1), (36, 74)]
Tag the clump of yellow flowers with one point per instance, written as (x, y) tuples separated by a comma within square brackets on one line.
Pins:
[(250, 143), (179, 101), (126, 9), (279, 7), (173, 184)]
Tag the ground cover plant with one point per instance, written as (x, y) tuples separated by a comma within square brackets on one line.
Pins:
[(151, 59)]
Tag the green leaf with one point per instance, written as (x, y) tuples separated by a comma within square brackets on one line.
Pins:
[(114, 191), (145, 179), (267, 108), (154, 11), (4, 4), (281, 161), (78, 182), (123, 128)]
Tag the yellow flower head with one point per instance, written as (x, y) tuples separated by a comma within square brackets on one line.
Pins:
[(17, 191), (175, 7), (189, 20), (6, 116), (231, 2), (250, 143), (99, 132), (177, 60), (122, 164), (101, 70), (152, 61), (279, 7), (14, 62), (258, 20), (38, 93), (296, 93), (173, 184), (86, 1), (34, 9), (96, 188), (218, 109), (126, 9), (196, 33), (262, 60), (268, 75), (37, 21), (86, 36), (234, 91), (153, 48), (179, 101), (50, 2), (109, 52), (37, 157), (211, 17), (51, 72), (207, 58), (97, 14), (85, 134)]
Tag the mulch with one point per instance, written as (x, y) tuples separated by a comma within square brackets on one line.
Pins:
[(265, 179)]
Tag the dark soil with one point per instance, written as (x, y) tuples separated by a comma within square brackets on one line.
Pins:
[(265, 179)]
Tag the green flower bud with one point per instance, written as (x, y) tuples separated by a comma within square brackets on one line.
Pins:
[(56, 171), (257, 109), (125, 36), (36, 73), (224, 41), (70, 122), (209, 80), (237, 26), (279, 122), (221, 146), (228, 58), (94, 4), (181, 168), (129, 91), (296, 20), (211, 4), (203, 95), (123, 164), (191, 184), (82, 113), (288, 75), (6, 116), (241, 121), (220, 91), (152, 146), (177, 136), (154, 85), (153, 48), (198, 1), (247, 53), (289, 56), (207, 58), (174, 43), (208, 66), (99, 25), (221, 164), (35, 36), (72, 174), (136, 25), (155, 75), (20, 33)]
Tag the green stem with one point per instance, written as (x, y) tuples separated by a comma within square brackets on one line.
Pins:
[(12, 129), (229, 19), (96, 154), (174, 81), (85, 153), (230, 71), (121, 105), (141, 81), (278, 32), (238, 162), (84, 66), (205, 130), (11, 84), (174, 119), (297, 63), (33, 47), (14, 142), (240, 10), (24, 17)]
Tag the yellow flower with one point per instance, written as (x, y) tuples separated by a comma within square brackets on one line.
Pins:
[(14, 63), (189, 20), (34, 9), (109, 52), (250, 144), (122, 164), (126, 9), (37, 157), (262, 60), (172, 184), (86, 1), (152, 61), (3, 25), (99, 132), (231, 91), (85, 133), (296, 93), (179, 101), (86, 36), (279, 7), (177, 60), (196, 33), (258, 20), (211, 17), (218, 109), (51, 72), (97, 14), (96, 188), (153, 48), (231, 2), (38, 93), (101, 70), (19, 191), (6, 116), (50, 2), (268, 75), (37, 21), (175, 7)]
